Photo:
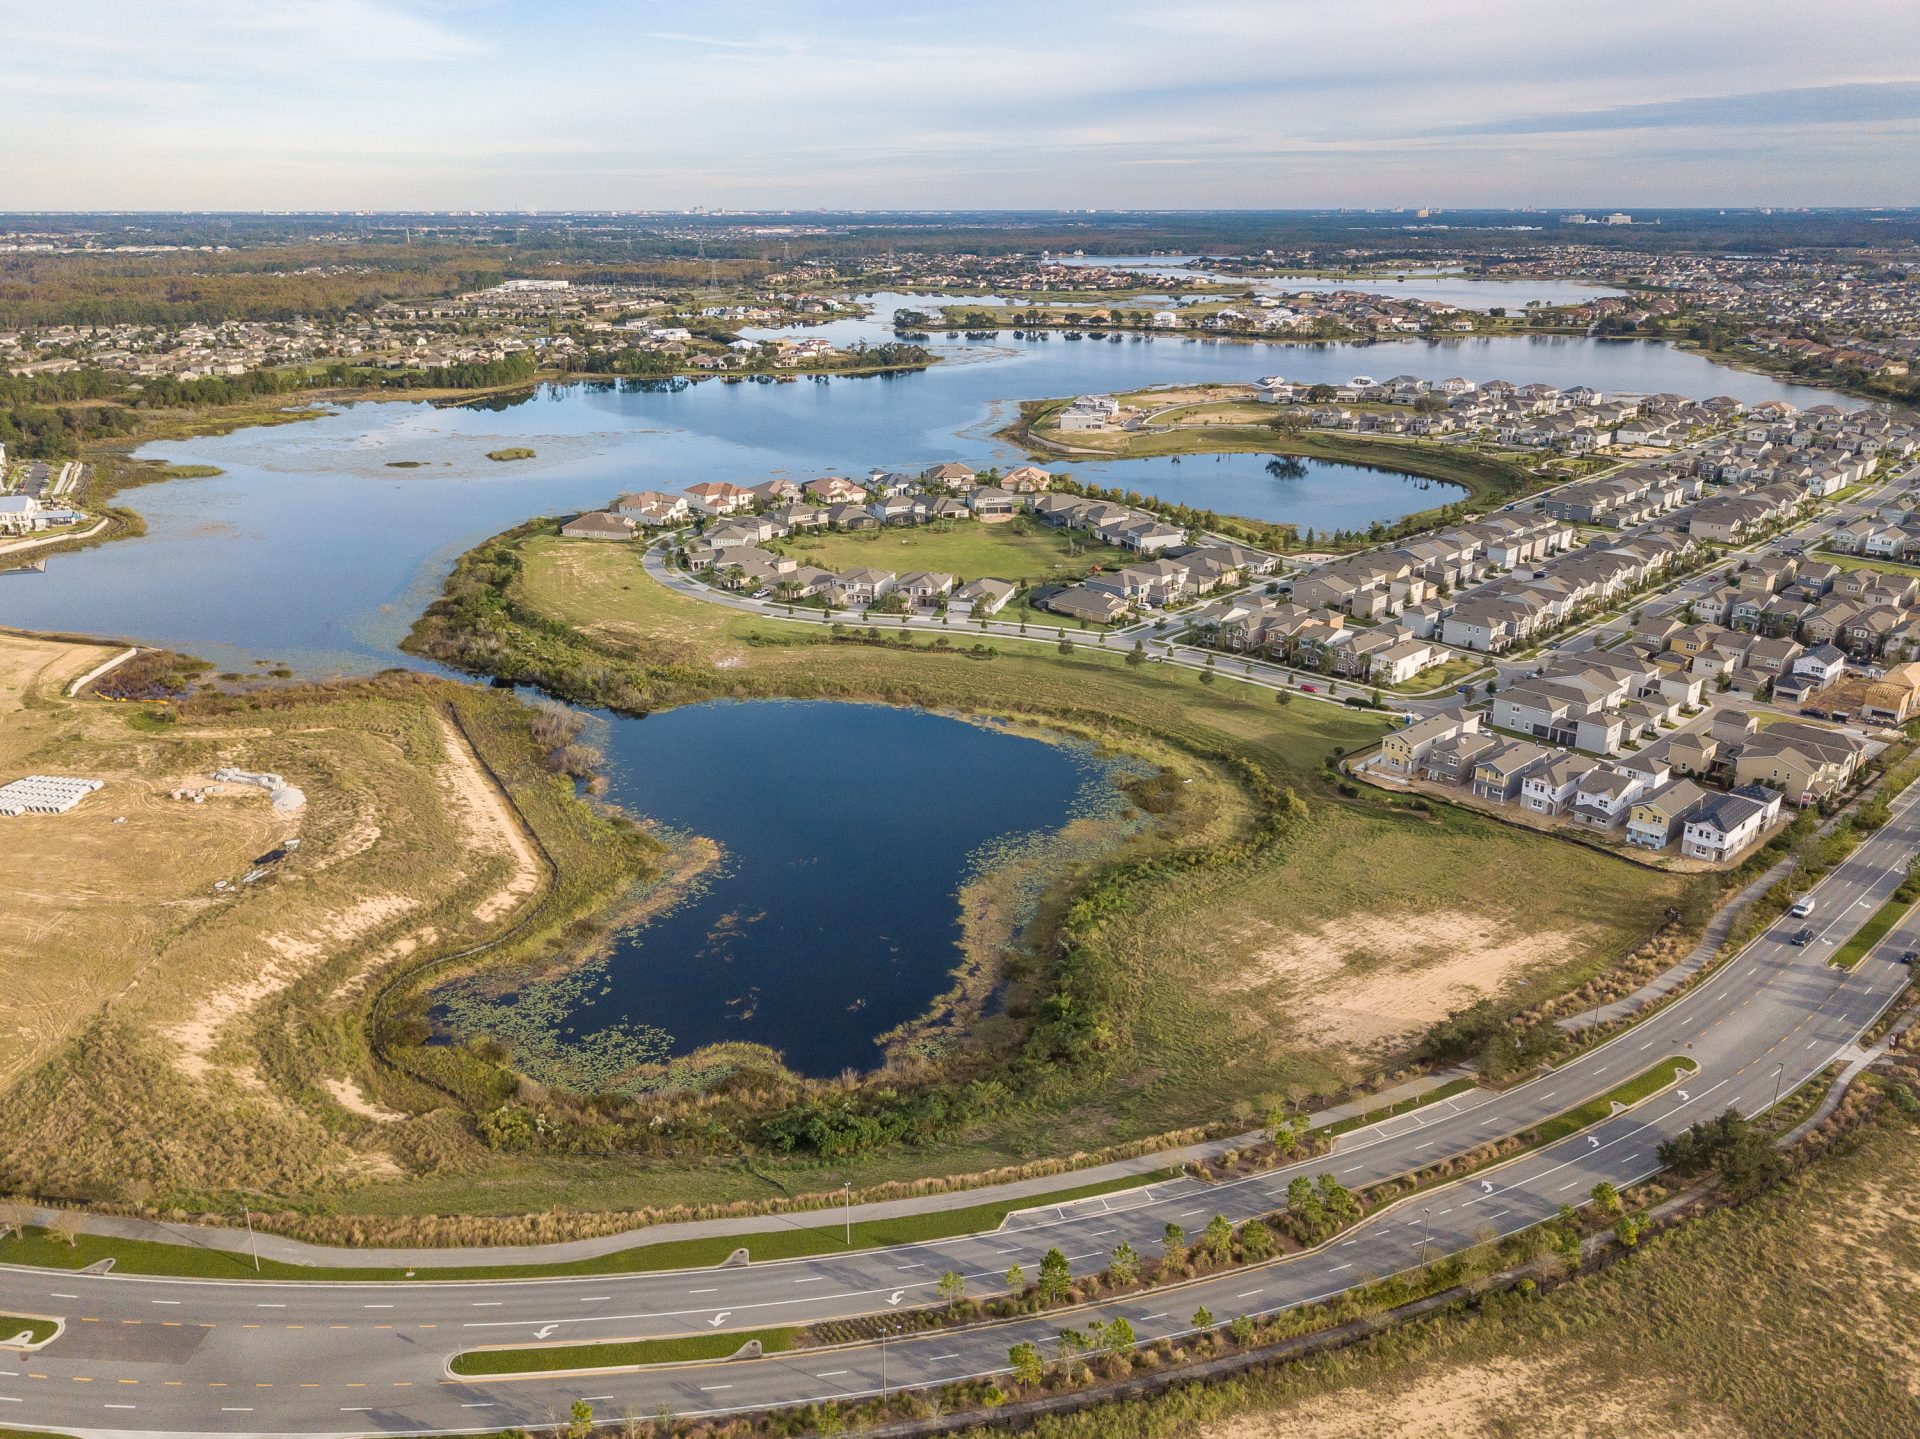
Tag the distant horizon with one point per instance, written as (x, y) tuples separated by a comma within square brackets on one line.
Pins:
[(322, 106)]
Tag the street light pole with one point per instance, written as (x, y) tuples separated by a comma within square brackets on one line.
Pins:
[(1426, 1229), (885, 1330), (1778, 1071), (847, 1190), (252, 1243)]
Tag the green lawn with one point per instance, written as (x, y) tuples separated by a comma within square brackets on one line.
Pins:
[(1021, 549), (619, 1354), (1867, 562)]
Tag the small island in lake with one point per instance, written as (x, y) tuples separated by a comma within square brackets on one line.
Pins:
[(513, 452)]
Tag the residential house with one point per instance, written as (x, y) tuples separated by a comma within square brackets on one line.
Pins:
[(598, 525), (1405, 750), (1657, 817), (983, 597), (1548, 789), (1726, 825), (1498, 774), (1806, 763)]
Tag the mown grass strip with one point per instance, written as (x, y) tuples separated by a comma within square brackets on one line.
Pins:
[(619, 1354), (1877, 928), (137, 1256), (1404, 1106), (12, 1326)]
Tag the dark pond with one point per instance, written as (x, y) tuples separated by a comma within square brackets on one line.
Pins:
[(848, 830)]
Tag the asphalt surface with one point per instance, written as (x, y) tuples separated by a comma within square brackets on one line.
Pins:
[(150, 1355)]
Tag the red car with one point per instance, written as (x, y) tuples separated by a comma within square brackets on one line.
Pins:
[(1310, 689)]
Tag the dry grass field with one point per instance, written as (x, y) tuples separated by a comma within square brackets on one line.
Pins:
[(168, 1031)]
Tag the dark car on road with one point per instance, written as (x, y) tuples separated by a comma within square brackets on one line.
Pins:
[(1909, 957), (1803, 936)]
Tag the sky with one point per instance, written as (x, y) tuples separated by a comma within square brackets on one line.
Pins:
[(899, 104)]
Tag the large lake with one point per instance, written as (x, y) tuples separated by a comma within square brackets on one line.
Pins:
[(311, 550), (848, 830)]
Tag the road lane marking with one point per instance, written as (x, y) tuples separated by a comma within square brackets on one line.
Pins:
[(831, 1374)]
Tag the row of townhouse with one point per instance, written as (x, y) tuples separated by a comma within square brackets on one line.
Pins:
[(1171, 577), (1597, 700), (781, 576), (735, 514), (1734, 519), (1888, 534), (1869, 615), (1508, 612), (1383, 583), (946, 490), (1622, 500), (1640, 797), (1314, 639)]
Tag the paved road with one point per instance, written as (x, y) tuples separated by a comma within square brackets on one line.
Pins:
[(191, 1356)]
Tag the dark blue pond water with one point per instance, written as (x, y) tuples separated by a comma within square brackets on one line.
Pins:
[(848, 830)]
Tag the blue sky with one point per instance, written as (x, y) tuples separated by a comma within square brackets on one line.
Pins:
[(643, 104)]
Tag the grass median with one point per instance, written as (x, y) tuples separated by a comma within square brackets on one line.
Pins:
[(38, 1331), (133, 1256), (1877, 928), (619, 1354), (1641, 1086)]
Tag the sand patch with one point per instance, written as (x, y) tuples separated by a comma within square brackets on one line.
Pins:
[(489, 821), (1466, 1402), (1364, 979), (346, 1093), (288, 958)]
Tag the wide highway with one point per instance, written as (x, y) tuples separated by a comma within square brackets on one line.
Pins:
[(187, 1356)]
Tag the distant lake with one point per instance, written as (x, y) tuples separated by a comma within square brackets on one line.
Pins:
[(1440, 286), (312, 549), (848, 830)]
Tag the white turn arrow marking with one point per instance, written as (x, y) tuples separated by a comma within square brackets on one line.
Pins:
[(1685, 1096), (1486, 1186), (720, 1318), (1592, 1142), (896, 1296), (545, 1331)]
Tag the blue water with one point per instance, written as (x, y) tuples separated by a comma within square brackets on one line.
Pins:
[(848, 829), (1447, 289), (310, 550)]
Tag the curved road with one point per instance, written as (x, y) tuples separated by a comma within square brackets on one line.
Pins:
[(150, 1355)]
